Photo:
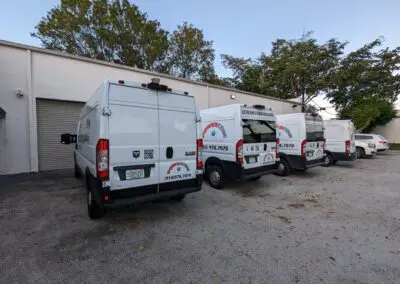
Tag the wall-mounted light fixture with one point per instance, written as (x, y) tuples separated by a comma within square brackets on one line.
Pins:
[(233, 96), (294, 106), (19, 93)]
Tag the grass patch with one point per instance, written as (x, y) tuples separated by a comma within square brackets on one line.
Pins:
[(394, 146)]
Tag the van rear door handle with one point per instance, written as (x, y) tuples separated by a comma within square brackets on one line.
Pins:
[(169, 153)]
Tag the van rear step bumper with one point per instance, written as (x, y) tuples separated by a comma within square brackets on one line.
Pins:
[(259, 171), (339, 156), (234, 171), (130, 196), (315, 163)]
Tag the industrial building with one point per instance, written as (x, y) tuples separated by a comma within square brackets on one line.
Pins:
[(42, 92)]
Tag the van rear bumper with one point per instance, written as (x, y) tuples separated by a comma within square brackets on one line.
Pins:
[(235, 171), (130, 196), (340, 156), (298, 162), (314, 163)]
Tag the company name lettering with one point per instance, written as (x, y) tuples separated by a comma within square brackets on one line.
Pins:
[(254, 112), (174, 177)]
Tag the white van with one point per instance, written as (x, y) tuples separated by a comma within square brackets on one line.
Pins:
[(301, 141), (136, 143), (239, 143), (340, 141)]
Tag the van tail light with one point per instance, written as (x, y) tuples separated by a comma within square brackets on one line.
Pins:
[(102, 159), (303, 148), (199, 157), (324, 145), (347, 143), (278, 141), (239, 152)]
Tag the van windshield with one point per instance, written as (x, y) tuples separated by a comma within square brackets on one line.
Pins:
[(314, 130), (258, 131)]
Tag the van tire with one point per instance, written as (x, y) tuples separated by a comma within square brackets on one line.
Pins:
[(215, 176), (283, 168), (328, 160), (95, 210), (360, 152), (178, 197)]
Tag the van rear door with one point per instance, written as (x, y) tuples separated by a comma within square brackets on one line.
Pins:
[(177, 120), (315, 137), (351, 130), (134, 138), (259, 137)]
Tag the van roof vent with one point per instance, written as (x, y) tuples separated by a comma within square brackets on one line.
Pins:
[(259, 106)]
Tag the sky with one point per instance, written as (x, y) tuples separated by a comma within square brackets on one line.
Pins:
[(241, 28)]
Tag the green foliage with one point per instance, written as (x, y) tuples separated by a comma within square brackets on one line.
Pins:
[(190, 55), (366, 84), (294, 68), (117, 31)]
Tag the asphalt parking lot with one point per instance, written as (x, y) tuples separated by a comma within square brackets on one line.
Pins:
[(328, 225)]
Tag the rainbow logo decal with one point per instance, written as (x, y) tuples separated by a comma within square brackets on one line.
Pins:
[(213, 126), (178, 166), (285, 129)]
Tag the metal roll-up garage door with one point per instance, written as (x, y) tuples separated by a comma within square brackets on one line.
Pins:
[(54, 118)]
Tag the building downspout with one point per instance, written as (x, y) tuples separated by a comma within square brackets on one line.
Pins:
[(33, 149)]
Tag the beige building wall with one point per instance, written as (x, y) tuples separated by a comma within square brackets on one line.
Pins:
[(39, 73), (390, 131), (13, 78)]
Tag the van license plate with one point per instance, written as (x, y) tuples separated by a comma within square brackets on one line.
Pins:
[(252, 160), (310, 154), (134, 174)]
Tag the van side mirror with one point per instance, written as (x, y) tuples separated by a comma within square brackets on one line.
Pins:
[(67, 138)]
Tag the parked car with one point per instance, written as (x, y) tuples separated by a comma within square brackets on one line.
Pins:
[(365, 149), (380, 142), (239, 143), (136, 143), (301, 141), (340, 141)]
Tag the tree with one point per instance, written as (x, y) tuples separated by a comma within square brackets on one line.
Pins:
[(366, 84), (293, 69), (190, 55), (107, 30)]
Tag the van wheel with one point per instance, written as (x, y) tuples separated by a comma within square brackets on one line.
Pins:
[(360, 152), (215, 176), (178, 197), (328, 160), (283, 168), (94, 209)]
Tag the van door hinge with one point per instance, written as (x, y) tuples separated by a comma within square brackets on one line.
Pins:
[(106, 111)]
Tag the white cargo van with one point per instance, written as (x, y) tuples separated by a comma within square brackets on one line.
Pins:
[(239, 143), (340, 141), (136, 143), (301, 141)]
